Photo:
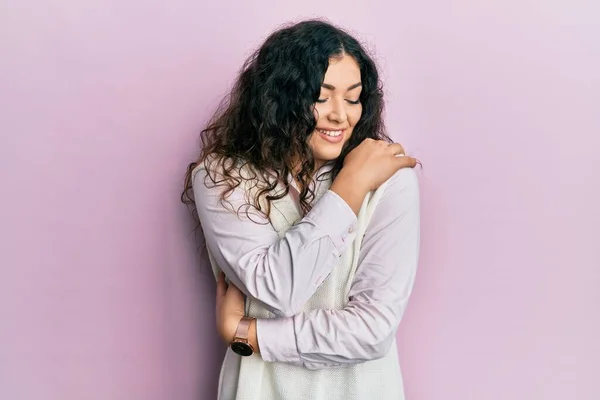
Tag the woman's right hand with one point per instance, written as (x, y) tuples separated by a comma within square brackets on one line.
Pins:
[(373, 162)]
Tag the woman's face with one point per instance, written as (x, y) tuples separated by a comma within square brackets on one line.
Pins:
[(338, 109)]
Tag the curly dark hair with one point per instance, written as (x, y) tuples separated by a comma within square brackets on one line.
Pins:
[(267, 119)]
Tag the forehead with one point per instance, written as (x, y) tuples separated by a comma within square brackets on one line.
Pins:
[(343, 70)]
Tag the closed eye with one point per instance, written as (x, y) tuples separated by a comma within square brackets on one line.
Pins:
[(348, 101)]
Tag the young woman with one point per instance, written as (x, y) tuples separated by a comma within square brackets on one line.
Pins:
[(312, 214)]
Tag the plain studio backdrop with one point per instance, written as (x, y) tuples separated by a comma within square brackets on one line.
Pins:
[(102, 292)]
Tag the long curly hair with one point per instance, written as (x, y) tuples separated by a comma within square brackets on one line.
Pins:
[(268, 117)]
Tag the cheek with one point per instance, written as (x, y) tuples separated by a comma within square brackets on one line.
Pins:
[(354, 115), (317, 112)]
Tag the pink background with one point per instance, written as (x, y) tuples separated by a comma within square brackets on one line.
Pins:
[(100, 104)]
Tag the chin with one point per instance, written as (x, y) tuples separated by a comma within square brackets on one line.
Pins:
[(324, 151), (326, 155)]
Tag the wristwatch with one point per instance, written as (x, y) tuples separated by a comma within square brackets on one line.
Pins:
[(240, 344)]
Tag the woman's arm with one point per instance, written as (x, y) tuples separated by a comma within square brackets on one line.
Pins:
[(284, 273), (365, 328), (281, 273)]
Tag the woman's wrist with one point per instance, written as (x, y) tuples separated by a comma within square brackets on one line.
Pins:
[(351, 190), (253, 336), (229, 334)]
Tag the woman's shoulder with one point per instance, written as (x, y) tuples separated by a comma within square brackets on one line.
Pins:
[(405, 178), (403, 184), (215, 167), (238, 175)]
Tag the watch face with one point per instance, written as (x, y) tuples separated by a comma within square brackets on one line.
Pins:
[(241, 348)]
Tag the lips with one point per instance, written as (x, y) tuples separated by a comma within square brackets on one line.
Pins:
[(330, 135), (331, 132)]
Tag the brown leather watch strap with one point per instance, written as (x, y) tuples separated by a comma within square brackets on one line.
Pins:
[(243, 329)]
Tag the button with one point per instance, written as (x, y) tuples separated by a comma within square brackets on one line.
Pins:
[(351, 230)]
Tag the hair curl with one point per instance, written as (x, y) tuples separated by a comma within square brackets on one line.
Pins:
[(266, 120)]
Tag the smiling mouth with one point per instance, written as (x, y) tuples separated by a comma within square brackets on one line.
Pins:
[(332, 133)]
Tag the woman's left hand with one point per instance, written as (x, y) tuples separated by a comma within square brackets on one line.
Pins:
[(229, 308)]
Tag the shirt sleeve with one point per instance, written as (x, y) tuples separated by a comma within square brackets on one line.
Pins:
[(365, 328), (282, 273)]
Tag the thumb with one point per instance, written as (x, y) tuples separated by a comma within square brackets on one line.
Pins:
[(406, 161)]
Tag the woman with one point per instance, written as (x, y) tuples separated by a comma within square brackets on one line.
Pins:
[(313, 216)]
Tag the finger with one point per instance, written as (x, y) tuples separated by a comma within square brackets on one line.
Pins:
[(406, 161), (221, 285), (396, 148)]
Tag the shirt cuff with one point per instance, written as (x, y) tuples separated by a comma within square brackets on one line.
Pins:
[(335, 217), (277, 340)]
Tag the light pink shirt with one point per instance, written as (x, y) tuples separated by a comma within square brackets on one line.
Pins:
[(284, 273)]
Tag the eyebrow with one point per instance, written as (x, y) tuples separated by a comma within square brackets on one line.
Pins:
[(331, 87)]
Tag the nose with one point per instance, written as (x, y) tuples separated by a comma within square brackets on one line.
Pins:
[(338, 112)]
